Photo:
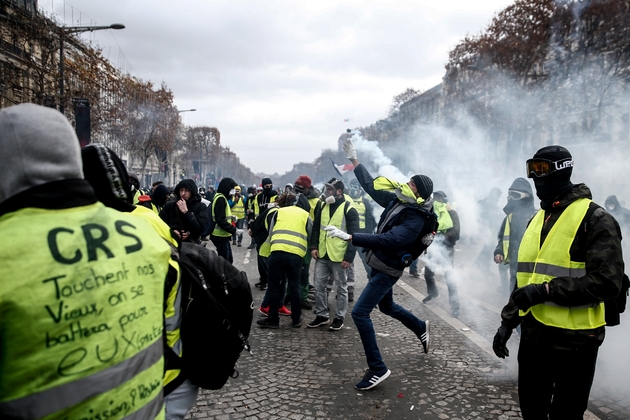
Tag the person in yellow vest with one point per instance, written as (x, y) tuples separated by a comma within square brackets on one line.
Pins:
[(569, 262), (519, 210), (303, 185), (100, 166), (367, 224), (260, 203), (82, 327), (442, 252), (238, 204), (134, 183), (221, 219), (332, 255), (289, 227)]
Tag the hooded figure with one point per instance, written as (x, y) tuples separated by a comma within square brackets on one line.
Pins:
[(187, 215), (620, 213), (221, 219), (519, 210)]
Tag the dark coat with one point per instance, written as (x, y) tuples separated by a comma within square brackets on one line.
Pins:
[(195, 220), (219, 203), (397, 234)]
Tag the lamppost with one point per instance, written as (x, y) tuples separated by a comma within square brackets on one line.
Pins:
[(193, 110), (73, 30)]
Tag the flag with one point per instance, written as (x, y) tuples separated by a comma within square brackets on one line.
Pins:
[(347, 119), (342, 169)]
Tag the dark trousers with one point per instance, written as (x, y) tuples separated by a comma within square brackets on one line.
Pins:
[(262, 269), (429, 276), (284, 265), (224, 249), (555, 383)]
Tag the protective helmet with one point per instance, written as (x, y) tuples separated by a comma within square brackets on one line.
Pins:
[(134, 182), (237, 189)]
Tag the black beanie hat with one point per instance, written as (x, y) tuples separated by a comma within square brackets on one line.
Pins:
[(266, 181), (424, 185), (556, 153), (441, 194), (160, 194), (107, 175)]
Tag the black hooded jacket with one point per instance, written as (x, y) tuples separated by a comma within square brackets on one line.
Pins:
[(195, 220), (219, 203)]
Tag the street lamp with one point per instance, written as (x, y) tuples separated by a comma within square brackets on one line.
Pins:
[(187, 110), (73, 30)]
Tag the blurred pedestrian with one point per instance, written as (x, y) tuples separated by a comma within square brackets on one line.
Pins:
[(442, 253), (519, 210)]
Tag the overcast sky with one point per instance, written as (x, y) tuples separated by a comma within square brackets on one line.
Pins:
[(278, 78)]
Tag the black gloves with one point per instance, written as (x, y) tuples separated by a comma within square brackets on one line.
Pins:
[(499, 344), (530, 295)]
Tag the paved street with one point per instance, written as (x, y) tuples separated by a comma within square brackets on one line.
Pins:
[(310, 373)]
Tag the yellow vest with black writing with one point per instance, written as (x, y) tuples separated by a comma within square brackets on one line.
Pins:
[(238, 209), (217, 229), (335, 248), (537, 265), (81, 318), (172, 311), (506, 239), (265, 248), (288, 232)]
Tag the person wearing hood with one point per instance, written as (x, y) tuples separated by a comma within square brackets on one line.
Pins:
[(569, 262), (102, 168), (519, 210), (263, 200), (156, 200), (187, 216), (621, 214), (58, 236), (222, 218), (407, 208)]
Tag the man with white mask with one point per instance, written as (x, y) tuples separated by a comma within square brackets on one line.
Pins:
[(332, 255)]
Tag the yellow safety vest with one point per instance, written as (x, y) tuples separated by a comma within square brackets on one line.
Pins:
[(444, 218), (238, 209), (537, 265), (314, 202), (217, 229), (82, 326), (288, 232), (335, 248), (265, 248), (360, 206), (172, 312), (506, 239)]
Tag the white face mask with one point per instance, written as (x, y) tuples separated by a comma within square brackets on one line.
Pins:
[(330, 199), (232, 191)]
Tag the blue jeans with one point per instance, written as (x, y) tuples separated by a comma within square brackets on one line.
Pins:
[(379, 292)]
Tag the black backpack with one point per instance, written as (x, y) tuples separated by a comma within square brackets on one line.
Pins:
[(217, 312)]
